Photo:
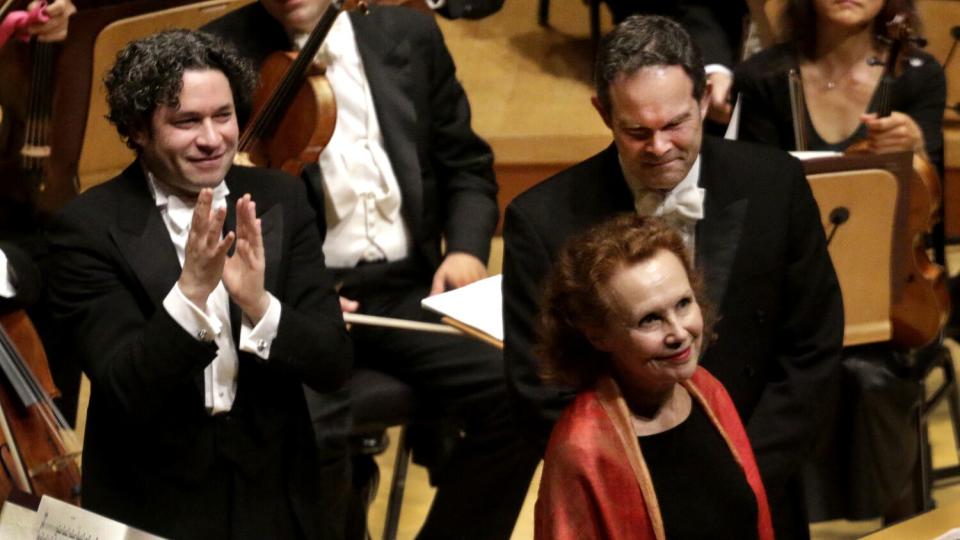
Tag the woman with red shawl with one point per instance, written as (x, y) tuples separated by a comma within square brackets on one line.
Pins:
[(652, 446)]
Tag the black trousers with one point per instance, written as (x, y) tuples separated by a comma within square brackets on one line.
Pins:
[(481, 485)]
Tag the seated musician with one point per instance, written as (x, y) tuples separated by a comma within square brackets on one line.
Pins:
[(652, 446), (832, 44), (195, 296)]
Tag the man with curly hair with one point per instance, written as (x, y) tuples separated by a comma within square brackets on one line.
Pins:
[(406, 198), (195, 295)]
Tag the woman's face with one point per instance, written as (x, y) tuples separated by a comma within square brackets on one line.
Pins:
[(847, 13), (655, 328)]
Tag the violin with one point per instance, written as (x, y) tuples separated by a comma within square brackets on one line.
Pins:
[(38, 449), (294, 109), (921, 302)]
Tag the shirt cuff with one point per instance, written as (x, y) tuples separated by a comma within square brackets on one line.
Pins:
[(258, 339), (435, 4), (6, 287), (203, 326), (710, 69)]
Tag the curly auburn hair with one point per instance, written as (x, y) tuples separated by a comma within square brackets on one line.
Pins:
[(799, 20), (576, 296), (149, 72)]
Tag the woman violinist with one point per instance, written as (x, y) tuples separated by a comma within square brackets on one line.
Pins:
[(835, 46)]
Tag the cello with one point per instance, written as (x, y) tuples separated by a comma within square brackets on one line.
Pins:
[(38, 450), (920, 302), (26, 94), (294, 110)]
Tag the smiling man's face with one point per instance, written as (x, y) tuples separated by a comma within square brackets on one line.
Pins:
[(191, 147)]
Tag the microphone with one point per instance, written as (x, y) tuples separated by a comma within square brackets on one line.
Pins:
[(955, 32), (838, 216)]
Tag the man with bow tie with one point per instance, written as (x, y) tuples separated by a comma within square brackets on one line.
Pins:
[(406, 203), (747, 215), (195, 295)]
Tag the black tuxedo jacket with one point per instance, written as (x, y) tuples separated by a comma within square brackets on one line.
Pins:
[(153, 456), (761, 250), (445, 171)]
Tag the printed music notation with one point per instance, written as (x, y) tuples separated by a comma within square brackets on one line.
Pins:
[(57, 520)]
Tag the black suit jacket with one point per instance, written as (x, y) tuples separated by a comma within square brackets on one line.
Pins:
[(153, 457), (762, 252), (445, 171)]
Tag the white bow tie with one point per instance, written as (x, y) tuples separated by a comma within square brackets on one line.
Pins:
[(181, 212), (685, 202)]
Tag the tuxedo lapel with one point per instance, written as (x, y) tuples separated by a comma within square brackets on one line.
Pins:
[(386, 63), (142, 238), (720, 231)]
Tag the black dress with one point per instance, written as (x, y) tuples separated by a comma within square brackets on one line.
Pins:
[(765, 117), (702, 490)]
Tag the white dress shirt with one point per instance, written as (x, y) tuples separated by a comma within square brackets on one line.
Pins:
[(212, 322), (362, 194), (651, 202), (6, 288)]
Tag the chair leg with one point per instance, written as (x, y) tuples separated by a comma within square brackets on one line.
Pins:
[(397, 485), (543, 13)]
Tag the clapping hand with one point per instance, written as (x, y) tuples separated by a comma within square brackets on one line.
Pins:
[(244, 270), (206, 262), (205, 251)]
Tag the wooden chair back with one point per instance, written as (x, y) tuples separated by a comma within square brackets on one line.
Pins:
[(861, 248)]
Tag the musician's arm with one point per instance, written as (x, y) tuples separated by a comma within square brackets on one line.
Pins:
[(761, 121), (925, 103), (462, 163)]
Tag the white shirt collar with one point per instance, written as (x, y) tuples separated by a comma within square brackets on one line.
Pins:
[(178, 209)]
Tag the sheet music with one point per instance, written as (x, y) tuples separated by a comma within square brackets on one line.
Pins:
[(804, 155), (57, 520), (478, 305)]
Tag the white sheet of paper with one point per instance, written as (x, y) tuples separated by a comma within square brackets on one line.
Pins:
[(478, 305), (814, 154)]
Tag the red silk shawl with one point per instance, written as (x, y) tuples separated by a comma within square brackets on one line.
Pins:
[(595, 483)]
